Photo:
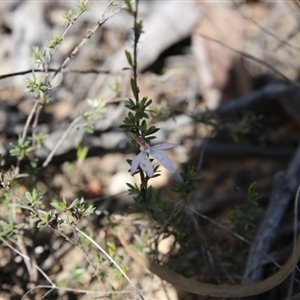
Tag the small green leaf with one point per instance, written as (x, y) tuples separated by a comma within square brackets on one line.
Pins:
[(28, 196), (129, 7), (134, 88), (89, 210), (129, 58), (136, 216), (88, 129), (74, 203), (59, 206)]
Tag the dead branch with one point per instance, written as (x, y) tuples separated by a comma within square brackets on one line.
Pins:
[(51, 70), (284, 189)]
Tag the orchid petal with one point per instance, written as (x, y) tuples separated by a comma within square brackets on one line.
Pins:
[(146, 165), (163, 159), (135, 163), (163, 146)]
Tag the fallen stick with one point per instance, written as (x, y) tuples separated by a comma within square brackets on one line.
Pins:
[(222, 291)]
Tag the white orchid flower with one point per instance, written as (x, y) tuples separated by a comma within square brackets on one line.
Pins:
[(142, 159)]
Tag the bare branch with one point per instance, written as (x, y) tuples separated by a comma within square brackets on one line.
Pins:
[(104, 18), (64, 70), (282, 194)]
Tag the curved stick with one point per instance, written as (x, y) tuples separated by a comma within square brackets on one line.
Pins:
[(213, 290)]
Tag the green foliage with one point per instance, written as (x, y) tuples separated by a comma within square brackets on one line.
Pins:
[(8, 229), (189, 184), (33, 199), (148, 200), (38, 56), (243, 217), (38, 139), (135, 89), (75, 211), (138, 30), (82, 153), (55, 41), (78, 274), (208, 118), (129, 6), (68, 16), (6, 179), (36, 87), (129, 58), (82, 6), (242, 128), (135, 121), (45, 219), (21, 150)]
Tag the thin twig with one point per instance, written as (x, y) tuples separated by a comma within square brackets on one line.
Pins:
[(296, 206), (87, 292), (64, 70), (266, 31), (46, 64), (35, 123), (28, 121), (202, 151), (233, 234), (32, 271), (25, 257), (25, 131), (134, 67), (112, 261), (79, 245), (63, 35), (104, 18), (63, 137), (208, 257), (247, 56)]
